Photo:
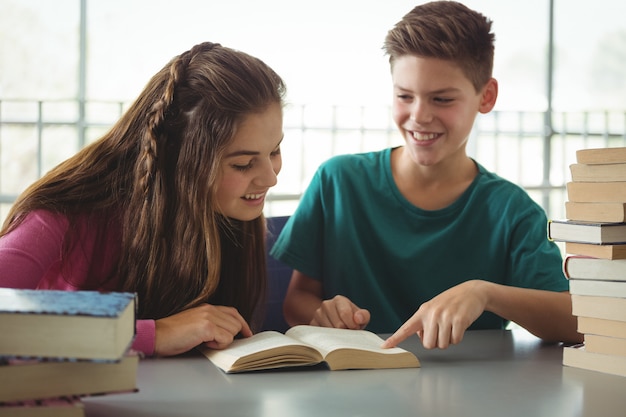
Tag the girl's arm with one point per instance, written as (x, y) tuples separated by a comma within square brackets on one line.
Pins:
[(29, 251)]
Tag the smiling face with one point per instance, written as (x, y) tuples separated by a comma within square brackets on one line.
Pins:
[(434, 106), (250, 165)]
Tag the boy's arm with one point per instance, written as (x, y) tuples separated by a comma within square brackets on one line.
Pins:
[(546, 314), (304, 304), (303, 298), (443, 320)]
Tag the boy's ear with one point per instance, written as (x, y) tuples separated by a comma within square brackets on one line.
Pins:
[(489, 96)]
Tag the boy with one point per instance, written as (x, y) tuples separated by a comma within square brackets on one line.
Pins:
[(423, 232)]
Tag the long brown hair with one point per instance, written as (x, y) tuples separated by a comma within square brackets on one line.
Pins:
[(155, 172)]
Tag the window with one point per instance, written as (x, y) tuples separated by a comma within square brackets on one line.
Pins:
[(338, 81)]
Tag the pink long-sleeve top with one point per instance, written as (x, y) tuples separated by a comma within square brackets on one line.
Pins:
[(30, 257)]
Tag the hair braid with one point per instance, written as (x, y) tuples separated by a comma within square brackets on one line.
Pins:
[(156, 116), (147, 166), (150, 185)]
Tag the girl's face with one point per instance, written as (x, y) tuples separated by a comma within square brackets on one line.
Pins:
[(250, 165), (434, 106)]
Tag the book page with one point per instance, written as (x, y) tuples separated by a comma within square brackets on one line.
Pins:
[(259, 342), (265, 350), (327, 339)]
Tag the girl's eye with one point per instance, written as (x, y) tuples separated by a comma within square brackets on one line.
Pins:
[(276, 152), (242, 167), (404, 97)]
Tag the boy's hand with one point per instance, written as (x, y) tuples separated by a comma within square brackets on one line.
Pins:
[(216, 326), (443, 320), (340, 312)]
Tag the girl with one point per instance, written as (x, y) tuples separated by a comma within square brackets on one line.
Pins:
[(168, 204)]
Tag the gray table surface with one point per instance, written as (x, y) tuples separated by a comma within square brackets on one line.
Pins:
[(490, 373)]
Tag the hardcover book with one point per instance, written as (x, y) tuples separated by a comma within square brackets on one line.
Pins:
[(33, 379), (588, 268), (310, 345), (66, 324), (587, 232), (53, 407)]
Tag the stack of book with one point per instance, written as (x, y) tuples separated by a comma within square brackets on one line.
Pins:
[(594, 233), (59, 346)]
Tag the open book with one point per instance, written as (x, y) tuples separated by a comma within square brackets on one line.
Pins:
[(310, 345)]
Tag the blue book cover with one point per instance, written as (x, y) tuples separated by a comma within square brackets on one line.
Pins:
[(81, 303), (77, 325)]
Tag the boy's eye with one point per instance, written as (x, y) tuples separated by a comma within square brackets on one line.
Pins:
[(443, 100), (276, 152)]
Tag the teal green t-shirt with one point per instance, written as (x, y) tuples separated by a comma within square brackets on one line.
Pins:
[(354, 231)]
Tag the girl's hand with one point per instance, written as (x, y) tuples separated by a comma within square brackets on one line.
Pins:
[(216, 326)]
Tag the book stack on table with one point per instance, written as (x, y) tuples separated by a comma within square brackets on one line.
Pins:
[(59, 346), (594, 233)]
